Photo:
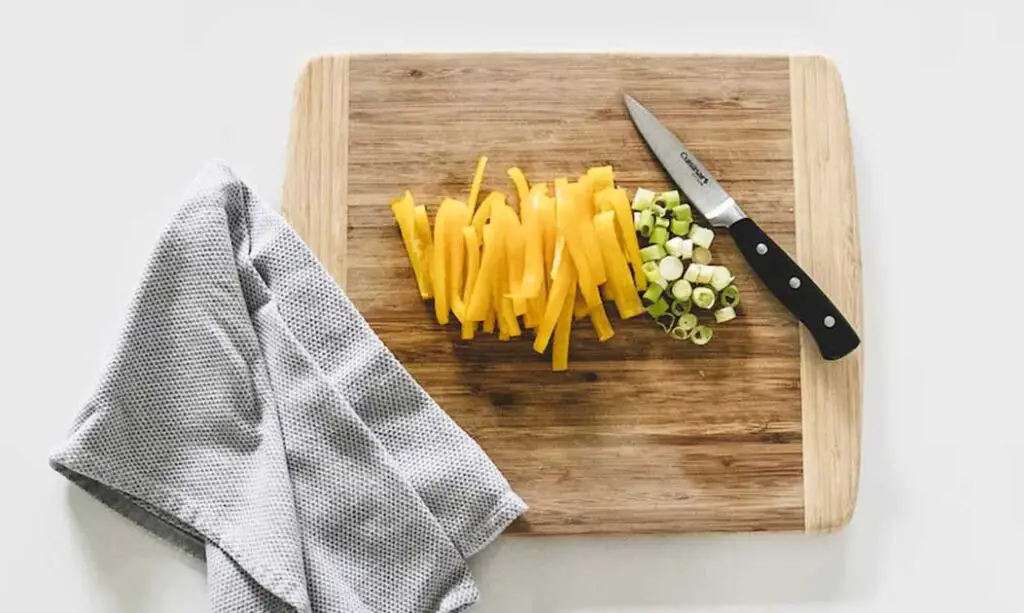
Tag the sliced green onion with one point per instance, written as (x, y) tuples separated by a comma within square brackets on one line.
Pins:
[(666, 321), (683, 213), (674, 246), (671, 268), (636, 218), (681, 290), (702, 335), (725, 314), (680, 307), (721, 278), (652, 273), (730, 296), (702, 236), (705, 274), (680, 228), (658, 210), (680, 333), (687, 249), (643, 199), (659, 236), (653, 293), (657, 308), (661, 222), (646, 225), (687, 321), (669, 200), (652, 252), (692, 273), (701, 255), (703, 297)]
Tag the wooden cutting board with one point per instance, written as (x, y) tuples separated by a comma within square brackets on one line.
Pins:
[(643, 434)]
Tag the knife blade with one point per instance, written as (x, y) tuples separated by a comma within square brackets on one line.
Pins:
[(793, 287)]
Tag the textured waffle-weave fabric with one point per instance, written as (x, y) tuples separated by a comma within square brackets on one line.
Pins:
[(251, 416)]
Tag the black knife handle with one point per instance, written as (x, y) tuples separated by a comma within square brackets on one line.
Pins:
[(795, 290)]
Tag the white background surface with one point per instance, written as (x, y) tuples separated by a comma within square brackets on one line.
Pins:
[(108, 108)]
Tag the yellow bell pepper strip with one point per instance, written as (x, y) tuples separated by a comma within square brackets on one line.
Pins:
[(619, 202), (580, 310), (533, 259), (404, 211), (607, 291), (585, 221), (456, 254), (483, 213), (481, 303), (549, 227), (469, 239), (601, 177), (522, 187), (440, 262), (602, 326), (560, 350), (490, 320), (478, 178), (585, 193), (569, 226), (515, 251), (626, 298), (565, 280), (503, 336), (426, 244)]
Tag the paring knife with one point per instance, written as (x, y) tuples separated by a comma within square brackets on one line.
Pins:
[(786, 280)]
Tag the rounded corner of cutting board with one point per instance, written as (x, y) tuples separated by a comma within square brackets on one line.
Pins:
[(828, 247)]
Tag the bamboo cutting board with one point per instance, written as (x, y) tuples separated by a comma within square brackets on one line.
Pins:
[(643, 434)]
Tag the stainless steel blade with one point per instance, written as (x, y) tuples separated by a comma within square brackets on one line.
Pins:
[(685, 169)]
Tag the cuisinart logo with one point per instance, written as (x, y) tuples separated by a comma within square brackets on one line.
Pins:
[(697, 172)]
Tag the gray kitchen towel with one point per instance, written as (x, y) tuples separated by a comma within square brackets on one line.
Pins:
[(251, 416)]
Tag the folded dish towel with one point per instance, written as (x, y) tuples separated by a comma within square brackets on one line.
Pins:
[(251, 416)]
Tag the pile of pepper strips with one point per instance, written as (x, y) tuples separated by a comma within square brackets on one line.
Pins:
[(571, 247)]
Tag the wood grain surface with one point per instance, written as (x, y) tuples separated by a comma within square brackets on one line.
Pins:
[(643, 434)]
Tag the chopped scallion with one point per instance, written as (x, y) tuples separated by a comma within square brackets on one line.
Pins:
[(652, 272), (680, 228), (680, 333), (687, 249), (725, 314), (701, 255), (702, 335), (687, 321), (669, 200), (703, 297), (683, 213), (659, 236), (643, 199), (702, 236), (646, 225), (692, 272), (730, 296), (680, 307), (653, 293), (662, 222), (658, 210), (705, 274), (721, 278), (666, 321), (681, 290), (657, 308), (636, 218), (671, 268), (652, 253), (674, 246)]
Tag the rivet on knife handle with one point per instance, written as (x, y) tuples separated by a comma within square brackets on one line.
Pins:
[(795, 290)]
